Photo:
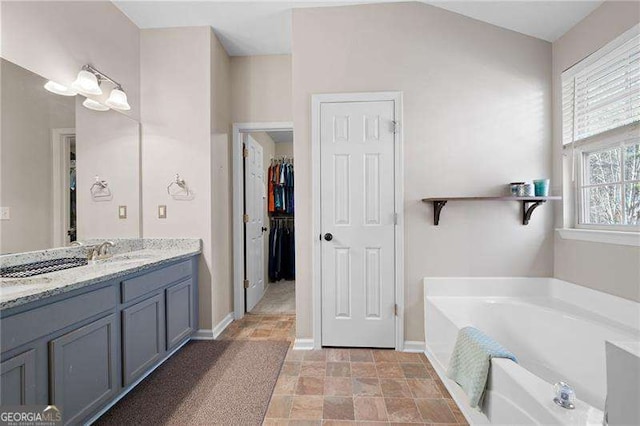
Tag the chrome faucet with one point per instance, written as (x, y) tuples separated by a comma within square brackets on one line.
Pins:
[(100, 251), (565, 395)]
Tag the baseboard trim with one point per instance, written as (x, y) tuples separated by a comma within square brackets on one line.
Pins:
[(414, 346), (206, 334), (202, 334), (303, 345)]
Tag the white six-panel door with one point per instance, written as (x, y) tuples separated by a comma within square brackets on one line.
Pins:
[(357, 145), (255, 207)]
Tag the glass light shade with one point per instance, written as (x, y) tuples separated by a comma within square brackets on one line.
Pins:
[(86, 83), (118, 100), (94, 105), (59, 89)]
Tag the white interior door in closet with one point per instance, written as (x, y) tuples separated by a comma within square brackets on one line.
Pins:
[(255, 208)]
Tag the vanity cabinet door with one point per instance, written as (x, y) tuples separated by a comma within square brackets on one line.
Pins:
[(83, 369), (180, 315), (18, 379), (142, 337)]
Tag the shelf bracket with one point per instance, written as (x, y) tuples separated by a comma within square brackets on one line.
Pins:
[(437, 207), (527, 208)]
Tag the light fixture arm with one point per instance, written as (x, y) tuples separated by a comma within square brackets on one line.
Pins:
[(101, 76)]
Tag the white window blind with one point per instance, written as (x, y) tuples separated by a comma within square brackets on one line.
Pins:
[(603, 91)]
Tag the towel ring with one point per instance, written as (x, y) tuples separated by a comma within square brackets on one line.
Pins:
[(180, 183), (98, 188)]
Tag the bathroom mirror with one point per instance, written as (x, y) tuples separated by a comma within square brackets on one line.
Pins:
[(67, 173)]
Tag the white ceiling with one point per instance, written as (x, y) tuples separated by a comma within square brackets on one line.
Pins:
[(281, 136), (264, 27)]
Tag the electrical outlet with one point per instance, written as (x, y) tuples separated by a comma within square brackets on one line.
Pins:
[(162, 212), (122, 212), (5, 213)]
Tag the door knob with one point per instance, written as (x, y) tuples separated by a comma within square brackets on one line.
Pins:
[(328, 236)]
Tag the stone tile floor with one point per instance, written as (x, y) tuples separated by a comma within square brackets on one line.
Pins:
[(349, 386)]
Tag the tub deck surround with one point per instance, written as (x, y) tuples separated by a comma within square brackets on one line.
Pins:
[(557, 330), (129, 256)]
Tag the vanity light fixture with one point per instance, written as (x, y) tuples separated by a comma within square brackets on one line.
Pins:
[(59, 89), (118, 100), (88, 84), (94, 105)]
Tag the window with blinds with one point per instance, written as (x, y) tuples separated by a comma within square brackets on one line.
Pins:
[(602, 92)]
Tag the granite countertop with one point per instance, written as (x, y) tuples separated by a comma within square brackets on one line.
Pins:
[(130, 256)]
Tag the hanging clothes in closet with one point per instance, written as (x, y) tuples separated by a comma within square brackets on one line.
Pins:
[(280, 186), (281, 209), (282, 252)]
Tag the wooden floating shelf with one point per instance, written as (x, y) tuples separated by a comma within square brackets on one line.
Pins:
[(529, 204)]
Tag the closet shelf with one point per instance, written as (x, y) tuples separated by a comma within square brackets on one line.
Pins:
[(529, 204)]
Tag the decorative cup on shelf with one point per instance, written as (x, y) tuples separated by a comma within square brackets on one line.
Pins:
[(514, 188), (541, 187), (529, 191)]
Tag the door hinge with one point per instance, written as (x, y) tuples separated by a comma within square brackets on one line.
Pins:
[(245, 151), (246, 283), (396, 127), (245, 218), (395, 218), (395, 309)]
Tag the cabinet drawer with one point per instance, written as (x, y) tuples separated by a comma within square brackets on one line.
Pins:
[(24, 327), (139, 286)]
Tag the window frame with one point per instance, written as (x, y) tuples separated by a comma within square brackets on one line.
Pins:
[(616, 138)]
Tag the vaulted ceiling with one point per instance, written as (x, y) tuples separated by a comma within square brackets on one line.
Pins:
[(264, 28)]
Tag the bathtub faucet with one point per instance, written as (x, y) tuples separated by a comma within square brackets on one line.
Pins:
[(565, 395)]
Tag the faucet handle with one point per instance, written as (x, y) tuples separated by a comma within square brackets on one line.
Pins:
[(565, 395), (103, 249)]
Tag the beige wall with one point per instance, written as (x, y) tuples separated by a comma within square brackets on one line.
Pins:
[(261, 88), (29, 113), (185, 131), (221, 195), (284, 150), (606, 267), (477, 102)]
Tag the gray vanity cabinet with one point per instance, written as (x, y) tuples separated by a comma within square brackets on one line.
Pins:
[(82, 349), (18, 379), (83, 368), (142, 337), (180, 312)]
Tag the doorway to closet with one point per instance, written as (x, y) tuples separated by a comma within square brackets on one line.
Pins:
[(264, 201)]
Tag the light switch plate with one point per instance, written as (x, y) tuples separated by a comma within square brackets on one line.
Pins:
[(122, 212), (162, 212), (5, 213)]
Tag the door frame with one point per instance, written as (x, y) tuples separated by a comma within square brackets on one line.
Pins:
[(238, 204), (60, 184), (316, 284)]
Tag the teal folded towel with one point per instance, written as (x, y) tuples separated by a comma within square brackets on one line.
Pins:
[(471, 360)]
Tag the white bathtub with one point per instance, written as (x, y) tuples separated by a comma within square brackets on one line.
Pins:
[(556, 329)]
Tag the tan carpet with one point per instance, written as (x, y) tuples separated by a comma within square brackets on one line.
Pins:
[(207, 382)]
